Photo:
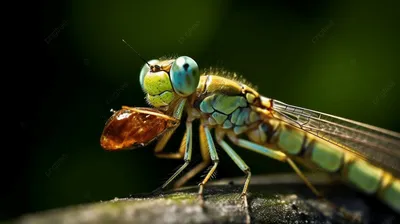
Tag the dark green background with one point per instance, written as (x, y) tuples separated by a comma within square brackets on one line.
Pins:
[(351, 71)]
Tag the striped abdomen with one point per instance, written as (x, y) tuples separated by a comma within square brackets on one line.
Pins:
[(231, 105), (334, 159)]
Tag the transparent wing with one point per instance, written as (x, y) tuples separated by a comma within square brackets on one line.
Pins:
[(379, 146)]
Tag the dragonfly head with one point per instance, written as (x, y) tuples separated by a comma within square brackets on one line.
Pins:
[(164, 81)]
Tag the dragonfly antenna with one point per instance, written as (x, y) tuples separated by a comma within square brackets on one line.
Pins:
[(145, 61)]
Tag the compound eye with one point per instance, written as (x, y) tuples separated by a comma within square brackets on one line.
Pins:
[(184, 75), (146, 69)]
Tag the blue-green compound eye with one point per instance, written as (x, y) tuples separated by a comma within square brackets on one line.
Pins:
[(145, 70), (184, 75)]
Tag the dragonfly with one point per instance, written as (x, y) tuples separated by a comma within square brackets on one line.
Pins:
[(364, 156)]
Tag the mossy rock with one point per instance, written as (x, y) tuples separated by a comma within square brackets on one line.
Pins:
[(272, 199)]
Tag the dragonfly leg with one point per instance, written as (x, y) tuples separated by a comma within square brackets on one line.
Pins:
[(158, 151), (164, 139), (284, 158), (186, 147), (274, 155), (214, 159), (241, 164), (199, 167)]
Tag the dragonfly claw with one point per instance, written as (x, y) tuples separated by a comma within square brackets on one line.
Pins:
[(201, 196), (157, 191)]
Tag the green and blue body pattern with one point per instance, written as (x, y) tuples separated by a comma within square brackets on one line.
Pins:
[(230, 105), (234, 108)]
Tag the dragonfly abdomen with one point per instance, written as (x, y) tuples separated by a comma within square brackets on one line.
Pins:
[(334, 159), (233, 106)]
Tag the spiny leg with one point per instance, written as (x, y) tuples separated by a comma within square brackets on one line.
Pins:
[(199, 167), (149, 112), (186, 147), (274, 155), (214, 159), (241, 164)]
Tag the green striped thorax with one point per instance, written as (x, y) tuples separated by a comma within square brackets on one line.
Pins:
[(163, 81)]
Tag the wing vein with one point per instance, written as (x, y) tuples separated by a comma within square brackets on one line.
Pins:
[(377, 145)]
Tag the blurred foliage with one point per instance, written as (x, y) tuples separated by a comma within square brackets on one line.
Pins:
[(337, 57)]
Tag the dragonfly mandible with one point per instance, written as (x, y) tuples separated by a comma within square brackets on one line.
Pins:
[(365, 156)]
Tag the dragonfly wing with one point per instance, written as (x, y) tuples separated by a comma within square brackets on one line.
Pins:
[(377, 145)]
